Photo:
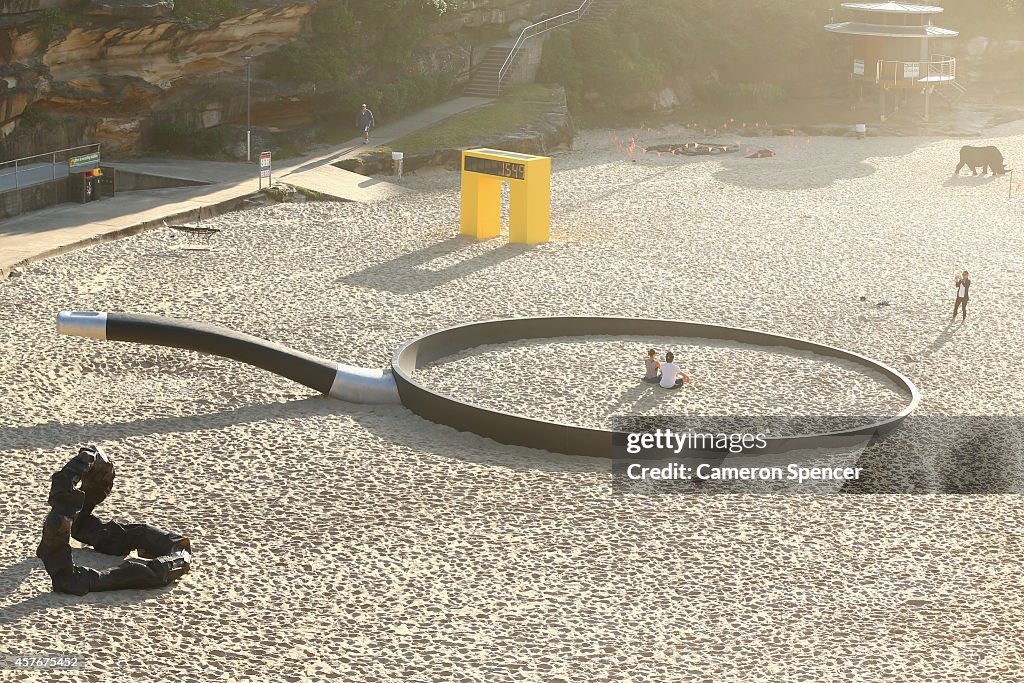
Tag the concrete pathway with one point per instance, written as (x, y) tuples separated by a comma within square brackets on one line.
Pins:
[(31, 174), (58, 229)]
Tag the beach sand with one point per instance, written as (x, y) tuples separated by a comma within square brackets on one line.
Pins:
[(585, 381), (361, 543)]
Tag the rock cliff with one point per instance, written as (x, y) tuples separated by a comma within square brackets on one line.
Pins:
[(118, 67)]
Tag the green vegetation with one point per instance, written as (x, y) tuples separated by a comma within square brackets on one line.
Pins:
[(179, 139), (649, 44), (992, 18), (52, 20), (386, 100), (33, 116), (742, 94), (205, 11), (350, 34), (517, 106), (756, 52)]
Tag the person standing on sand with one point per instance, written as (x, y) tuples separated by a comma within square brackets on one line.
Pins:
[(651, 365), (365, 123), (672, 377), (962, 283)]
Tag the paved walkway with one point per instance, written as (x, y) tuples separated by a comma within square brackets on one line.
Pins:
[(58, 229)]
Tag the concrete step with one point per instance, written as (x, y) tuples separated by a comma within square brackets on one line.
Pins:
[(344, 185), (483, 82)]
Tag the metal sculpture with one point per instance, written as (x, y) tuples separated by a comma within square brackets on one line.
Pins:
[(163, 557), (399, 385), (338, 380)]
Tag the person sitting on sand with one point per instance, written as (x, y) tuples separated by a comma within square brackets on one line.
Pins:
[(672, 377), (652, 365)]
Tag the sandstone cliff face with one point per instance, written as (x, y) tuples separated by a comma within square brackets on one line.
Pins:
[(129, 66)]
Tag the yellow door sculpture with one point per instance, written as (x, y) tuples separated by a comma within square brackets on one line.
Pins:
[(529, 178)]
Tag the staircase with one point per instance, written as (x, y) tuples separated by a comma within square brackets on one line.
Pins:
[(952, 94), (486, 78), (484, 81)]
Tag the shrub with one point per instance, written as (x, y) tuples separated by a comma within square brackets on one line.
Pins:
[(740, 94), (203, 11), (50, 21), (354, 32), (171, 137), (178, 138), (33, 116), (305, 62), (649, 44)]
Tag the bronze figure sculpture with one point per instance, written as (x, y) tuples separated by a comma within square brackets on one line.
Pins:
[(163, 557)]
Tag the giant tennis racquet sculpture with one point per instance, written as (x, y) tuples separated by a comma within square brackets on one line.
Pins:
[(398, 383)]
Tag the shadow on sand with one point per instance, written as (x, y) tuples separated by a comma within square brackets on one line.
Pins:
[(407, 274), (770, 174), (969, 180), (53, 435), (12, 577)]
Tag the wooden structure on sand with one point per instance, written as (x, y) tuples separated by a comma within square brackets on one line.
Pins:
[(891, 49)]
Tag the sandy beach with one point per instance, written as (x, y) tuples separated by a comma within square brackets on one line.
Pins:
[(581, 380), (361, 543)]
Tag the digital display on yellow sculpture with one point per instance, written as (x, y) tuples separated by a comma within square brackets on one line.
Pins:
[(529, 178)]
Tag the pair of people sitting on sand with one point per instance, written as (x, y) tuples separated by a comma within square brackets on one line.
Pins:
[(671, 376)]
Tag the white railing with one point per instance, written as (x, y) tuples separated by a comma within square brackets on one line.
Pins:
[(938, 68), (942, 66), (538, 28), (19, 163)]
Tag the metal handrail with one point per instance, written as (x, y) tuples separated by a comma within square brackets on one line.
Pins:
[(56, 151), (937, 65), (538, 28), (53, 155)]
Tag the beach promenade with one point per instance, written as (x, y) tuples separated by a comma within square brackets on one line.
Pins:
[(58, 229)]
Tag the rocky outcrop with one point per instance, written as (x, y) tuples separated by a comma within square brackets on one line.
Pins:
[(131, 75), (167, 52), (130, 9), (130, 68)]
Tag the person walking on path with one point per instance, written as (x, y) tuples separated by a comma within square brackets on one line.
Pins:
[(962, 283), (365, 123)]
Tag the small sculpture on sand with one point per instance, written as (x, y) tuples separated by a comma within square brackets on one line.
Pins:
[(163, 557)]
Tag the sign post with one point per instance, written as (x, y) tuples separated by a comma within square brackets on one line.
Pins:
[(85, 162), (265, 169)]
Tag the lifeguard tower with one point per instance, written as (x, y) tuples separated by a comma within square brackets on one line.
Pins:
[(891, 49)]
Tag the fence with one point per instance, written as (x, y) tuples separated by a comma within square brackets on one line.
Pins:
[(939, 69), (32, 173), (538, 28)]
